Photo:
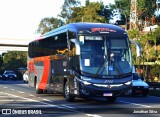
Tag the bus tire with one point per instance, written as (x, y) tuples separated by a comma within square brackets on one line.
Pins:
[(111, 99), (38, 91), (68, 96)]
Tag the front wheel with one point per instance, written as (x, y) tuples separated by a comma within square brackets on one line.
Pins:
[(68, 96)]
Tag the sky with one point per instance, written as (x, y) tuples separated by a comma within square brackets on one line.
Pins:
[(20, 18)]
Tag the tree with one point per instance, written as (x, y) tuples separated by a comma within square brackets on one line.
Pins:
[(77, 15), (123, 8), (92, 12), (67, 8), (87, 2), (146, 8), (47, 24), (14, 60)]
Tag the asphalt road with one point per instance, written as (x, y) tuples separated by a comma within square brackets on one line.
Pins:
[(18, 99)]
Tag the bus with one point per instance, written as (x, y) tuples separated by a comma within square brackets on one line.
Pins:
[(83, 60)]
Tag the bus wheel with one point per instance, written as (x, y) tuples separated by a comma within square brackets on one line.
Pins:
[(68, 96), (111, 99), (38, 91)]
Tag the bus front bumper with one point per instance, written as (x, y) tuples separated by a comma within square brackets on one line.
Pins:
[(103, 90)]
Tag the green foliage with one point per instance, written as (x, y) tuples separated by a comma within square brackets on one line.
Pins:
[(87, 2), (133, 33), (67, 8), (148, 48), (47, 24), (77, 15), (123, 6), (14, 60), (146, 8), (155, 70), (92, 12), (156, 34)]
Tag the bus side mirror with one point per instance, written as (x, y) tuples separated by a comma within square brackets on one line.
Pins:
[(138, 48), (76, 42)]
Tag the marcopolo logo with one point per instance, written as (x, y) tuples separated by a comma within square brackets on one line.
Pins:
[(108, 81)]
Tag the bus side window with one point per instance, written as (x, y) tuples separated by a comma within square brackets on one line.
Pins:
[(62, 41), (73, 56)]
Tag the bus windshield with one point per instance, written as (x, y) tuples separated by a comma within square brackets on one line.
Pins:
[(102, 55)]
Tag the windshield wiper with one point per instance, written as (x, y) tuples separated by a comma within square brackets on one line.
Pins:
[(101, 66)]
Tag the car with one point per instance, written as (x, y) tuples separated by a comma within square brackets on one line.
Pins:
[(9, 74), (25, 77), (0, 76), (139, 87)]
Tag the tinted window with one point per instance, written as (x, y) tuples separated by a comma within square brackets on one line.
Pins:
[(48, 46), (136, 76), (117, 42)]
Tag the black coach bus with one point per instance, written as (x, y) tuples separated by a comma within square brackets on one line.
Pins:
[(82, 60)]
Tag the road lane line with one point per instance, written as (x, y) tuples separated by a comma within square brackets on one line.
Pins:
[(7, 100), (51, 105), (31, 95), (47, 100), (3, 96), (48, 105), (20, 92), (93, 115), (44, 103), (135, 104), (13, 89), (68, 106)]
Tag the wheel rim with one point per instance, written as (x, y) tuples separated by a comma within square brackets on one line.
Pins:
[(67, 90)]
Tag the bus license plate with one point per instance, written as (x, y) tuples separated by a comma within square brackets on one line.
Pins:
[(107, 94)]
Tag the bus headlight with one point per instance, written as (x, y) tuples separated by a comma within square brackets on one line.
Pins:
[(128, 83), (86, 83)]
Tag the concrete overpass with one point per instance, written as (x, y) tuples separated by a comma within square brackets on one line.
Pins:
[(14, 44)]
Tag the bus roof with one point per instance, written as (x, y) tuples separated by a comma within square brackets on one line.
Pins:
[(92, 28)]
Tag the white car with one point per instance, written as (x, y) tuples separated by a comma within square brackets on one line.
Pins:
[(139, 86), (25, 77)]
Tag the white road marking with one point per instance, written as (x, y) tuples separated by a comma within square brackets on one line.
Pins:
[(47, 104), (13, 89), (20, 92), (68, 106), (27, 99), (47, 100), (7, 100), (135, 104), (31, 95), (93, 115)]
